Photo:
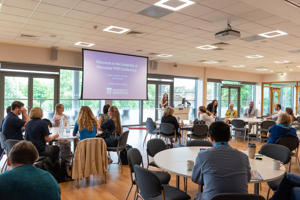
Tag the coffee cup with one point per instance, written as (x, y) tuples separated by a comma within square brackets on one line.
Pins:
[(251, 150), (190, 165), (276, 164)]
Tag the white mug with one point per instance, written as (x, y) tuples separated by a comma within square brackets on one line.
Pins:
[(276, 164), (190, 165)]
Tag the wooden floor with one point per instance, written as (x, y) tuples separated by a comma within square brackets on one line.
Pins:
[(118, 179)]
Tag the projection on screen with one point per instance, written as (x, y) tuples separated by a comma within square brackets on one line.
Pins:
[(114, 76)]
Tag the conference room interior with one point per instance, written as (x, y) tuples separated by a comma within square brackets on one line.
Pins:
[(41, 65)]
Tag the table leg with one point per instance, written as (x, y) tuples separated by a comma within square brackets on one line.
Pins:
[(256, 188), (177, 181), (185, 183)]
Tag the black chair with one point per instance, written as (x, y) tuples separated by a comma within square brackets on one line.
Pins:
[(151, 188), (292, 143), (239, 126), (49, 123), (135, 158), (167, 130), (233, 196), (2, 143), (151, 129), (199, 132), (8, 145), (203, 143), (122, 141), (264, 128), (276, 152), (153, 147)]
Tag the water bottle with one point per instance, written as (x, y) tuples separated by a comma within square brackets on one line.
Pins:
[(61, 127), (67, 128)]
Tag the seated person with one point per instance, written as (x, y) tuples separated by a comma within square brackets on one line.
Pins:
[(205, 115), (24, 181), (169, 118), (112, 128), (59, 115), (86, 124), (231, 113), (290, 112), (281, 129), (8, 110), (13, 126), (222, 169), (251, 111), (285, 190), (103, 117), (37, 132), (276, 115)]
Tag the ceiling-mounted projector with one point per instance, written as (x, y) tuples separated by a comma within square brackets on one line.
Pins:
[(228, 34)]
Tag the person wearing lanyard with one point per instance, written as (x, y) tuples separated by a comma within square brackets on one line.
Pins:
[(222, 169)]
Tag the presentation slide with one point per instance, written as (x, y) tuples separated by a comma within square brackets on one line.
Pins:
[(114, 76)]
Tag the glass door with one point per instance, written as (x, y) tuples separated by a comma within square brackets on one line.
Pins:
[(163, 88), (275, 98), (230, 95), (149, 105), (43, 96), (15, 89)]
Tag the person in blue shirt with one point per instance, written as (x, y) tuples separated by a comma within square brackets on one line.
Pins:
[(13, 126), (281, 129), (221, 169), (37, 132), (24, 181), (86, 124)]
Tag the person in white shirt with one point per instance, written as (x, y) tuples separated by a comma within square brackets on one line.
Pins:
[(275, 116), (251, 111), (205, 115)]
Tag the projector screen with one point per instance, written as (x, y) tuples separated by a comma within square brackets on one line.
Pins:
[(113, 76)]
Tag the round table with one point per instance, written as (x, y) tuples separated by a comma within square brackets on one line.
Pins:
[(175, 161)]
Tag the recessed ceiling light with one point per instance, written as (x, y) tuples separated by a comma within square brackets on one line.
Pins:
[(162, 4), (262, 69), (84, 44), (164, 55), (272, 34), (298, 66), (282, 61), (255, 56), (207, 47), (291, 70), (272, 71), (238, 66), (210, 62), (116, 29)]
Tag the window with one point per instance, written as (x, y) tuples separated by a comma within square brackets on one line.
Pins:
[(186, 88), (129, 111), (70, 90)]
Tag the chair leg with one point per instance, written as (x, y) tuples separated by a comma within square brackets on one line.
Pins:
[(129, 191), (145, 138), (119, 159), (290, 165)]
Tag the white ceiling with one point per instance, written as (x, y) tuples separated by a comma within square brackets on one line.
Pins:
[(62, 23)]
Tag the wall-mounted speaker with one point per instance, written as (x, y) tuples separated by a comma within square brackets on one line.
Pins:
[(153, 64), (53, 53)]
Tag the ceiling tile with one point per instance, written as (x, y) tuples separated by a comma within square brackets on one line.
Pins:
[(52, 9), (80, 15), (90, 7)]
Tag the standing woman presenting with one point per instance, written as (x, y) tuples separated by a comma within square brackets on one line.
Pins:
[(164, 101), (213, 107)]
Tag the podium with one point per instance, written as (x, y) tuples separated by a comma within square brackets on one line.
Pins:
[(182, 113)]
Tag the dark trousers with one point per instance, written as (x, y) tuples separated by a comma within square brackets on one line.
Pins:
[(52, 152), (284, 191)]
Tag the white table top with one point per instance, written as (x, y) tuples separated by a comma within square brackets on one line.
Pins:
[(175, 161), (65, 136), (249, 120)]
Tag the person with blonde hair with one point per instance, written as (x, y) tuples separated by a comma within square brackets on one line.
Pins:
[(164, 100), (112, 128), (231, 113), (37, 132), (205, 115), (169, 118), (281, 129), (59, 114), (86, 124)]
